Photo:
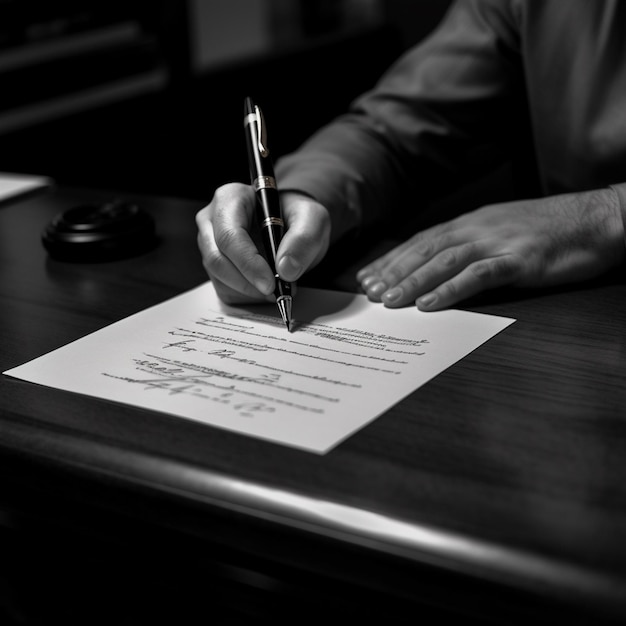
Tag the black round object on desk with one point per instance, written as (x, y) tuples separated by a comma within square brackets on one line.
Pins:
[(100, 232)]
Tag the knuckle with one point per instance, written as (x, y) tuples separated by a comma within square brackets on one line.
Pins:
[(496, 270), (483, 270), (250, 265), (202, 216), (448, 291), (220, 197), (213, 258), (375, 269), (437, 242), (424, 247), (449, 258), (226, 239), (394, 274), (410, 284)]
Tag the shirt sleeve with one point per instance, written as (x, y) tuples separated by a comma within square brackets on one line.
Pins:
[(620, 190), (444, 113)]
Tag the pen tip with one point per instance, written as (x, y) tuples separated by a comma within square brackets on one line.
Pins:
[(284, 306)]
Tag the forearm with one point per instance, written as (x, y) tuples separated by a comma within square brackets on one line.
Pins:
[(620, 192), (415, 136), (345, 167)]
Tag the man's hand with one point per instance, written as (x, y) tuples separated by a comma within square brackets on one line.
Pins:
[(530, 243), (230, 245)]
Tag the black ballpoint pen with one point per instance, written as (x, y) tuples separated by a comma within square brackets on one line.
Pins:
[(268, 202)]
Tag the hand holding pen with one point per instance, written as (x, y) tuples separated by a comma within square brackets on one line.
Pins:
[(240, 272)]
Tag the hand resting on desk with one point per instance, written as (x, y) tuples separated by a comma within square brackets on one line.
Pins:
[(529, 243)]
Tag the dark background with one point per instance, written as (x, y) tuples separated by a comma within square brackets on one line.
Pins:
[(181, 135)]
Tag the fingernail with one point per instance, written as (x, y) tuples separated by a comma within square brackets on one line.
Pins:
[(377, 289), (361, 274), (369, 281), (427, 301), (265, 287), (289, 268), (393, 295)]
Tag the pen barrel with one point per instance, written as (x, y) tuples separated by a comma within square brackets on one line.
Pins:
[(268, 209), (270, 222), (272, 230)]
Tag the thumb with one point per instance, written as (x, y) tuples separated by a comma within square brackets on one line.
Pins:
[(307, 237)]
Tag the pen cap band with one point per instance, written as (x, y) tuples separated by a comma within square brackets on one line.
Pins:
[(272, 221), (264, 182)]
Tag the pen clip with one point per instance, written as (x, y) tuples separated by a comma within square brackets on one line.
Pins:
[(261, 132)]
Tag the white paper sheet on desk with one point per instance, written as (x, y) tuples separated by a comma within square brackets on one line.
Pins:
[(12, 185), (346, 361)]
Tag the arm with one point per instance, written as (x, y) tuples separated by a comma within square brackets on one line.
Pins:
[(539, 242), (441, 116), (413, 134)]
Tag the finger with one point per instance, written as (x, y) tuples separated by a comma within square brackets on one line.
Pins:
[(306, 239), (233, 222), (376, 267), (240, 261), (475, 278), (420, 275), (235, 297), (230, 284), (397, 270), (371, 276), (423, 241), (229, 251)]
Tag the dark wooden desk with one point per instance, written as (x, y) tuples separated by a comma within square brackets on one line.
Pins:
[(495, 494)]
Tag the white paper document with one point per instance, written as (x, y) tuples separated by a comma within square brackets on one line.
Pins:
[(12, 185), (345, 362)]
